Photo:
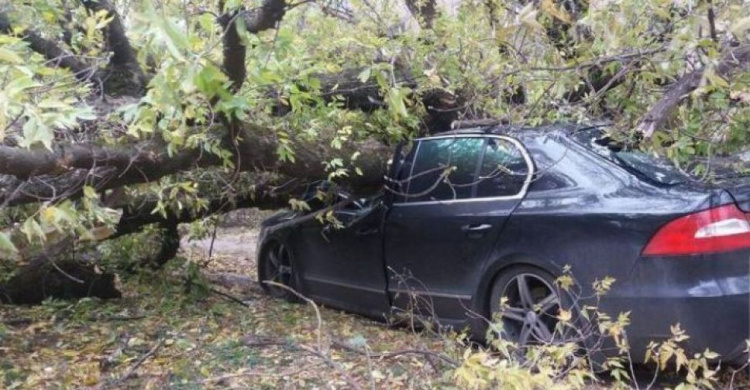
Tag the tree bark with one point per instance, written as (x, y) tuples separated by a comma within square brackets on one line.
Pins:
[(51, 51), (424, 11), (124, 73), (57, 273), (42, 175), (265, 17), (739, 57)]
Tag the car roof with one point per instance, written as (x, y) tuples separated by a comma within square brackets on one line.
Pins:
[(517, 131)]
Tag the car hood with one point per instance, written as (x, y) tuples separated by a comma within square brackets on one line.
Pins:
[(279, 217)]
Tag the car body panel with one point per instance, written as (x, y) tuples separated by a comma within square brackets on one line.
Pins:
[(343, 267), (445, 242), (432, 242)]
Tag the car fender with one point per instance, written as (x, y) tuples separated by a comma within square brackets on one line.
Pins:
[(286, 236)]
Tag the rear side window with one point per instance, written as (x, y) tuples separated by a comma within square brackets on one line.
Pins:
[(444, 169), (503, 171)]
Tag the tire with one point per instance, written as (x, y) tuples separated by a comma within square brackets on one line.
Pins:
[(529, 313), (275, 266)]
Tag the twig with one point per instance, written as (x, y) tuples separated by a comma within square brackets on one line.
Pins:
[(308, 300), (213, 239), (16, 321), (712, 22), (67, 275), (117, 318), (221, 378), (229, 296), (332, 364), (389, 355), (744, 367), (140, 361)]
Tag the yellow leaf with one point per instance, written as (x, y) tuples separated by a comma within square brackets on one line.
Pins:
[(715, 79), (741, 26), (527, 16), (9, 56), (551, 9), (564, 315)]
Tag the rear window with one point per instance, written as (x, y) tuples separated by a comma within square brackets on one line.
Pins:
[(652, 168)]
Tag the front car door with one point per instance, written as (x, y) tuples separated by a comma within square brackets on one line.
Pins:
[(456, 198), (343, 266)]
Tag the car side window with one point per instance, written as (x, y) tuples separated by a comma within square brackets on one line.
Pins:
[(445, 169), (504, 170)]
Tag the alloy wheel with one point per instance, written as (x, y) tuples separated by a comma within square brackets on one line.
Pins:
[(278, 269), (530, 312)]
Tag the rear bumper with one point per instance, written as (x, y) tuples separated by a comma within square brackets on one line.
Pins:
[(708, 295)]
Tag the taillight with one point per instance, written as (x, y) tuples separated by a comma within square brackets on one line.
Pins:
[(720, 229)]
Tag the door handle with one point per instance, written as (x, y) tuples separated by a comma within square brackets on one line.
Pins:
[(366, 231), (476, 228)]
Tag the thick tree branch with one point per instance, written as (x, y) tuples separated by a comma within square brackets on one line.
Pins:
[(424, 11), (739, 57), (234, 51), (38, 175), (64, 171), (136, 216), (124, 61), (51, 51), (265, 17)]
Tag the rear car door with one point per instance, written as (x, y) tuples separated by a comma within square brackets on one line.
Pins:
[(458, 195)]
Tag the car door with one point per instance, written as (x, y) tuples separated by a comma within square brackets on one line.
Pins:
[(460, 192), (343, 266)]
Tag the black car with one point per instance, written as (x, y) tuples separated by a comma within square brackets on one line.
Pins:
[(471, 216)]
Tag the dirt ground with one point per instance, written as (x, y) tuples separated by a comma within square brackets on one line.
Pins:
[(166, 334), (220, 333)]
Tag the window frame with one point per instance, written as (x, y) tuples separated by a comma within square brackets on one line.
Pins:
[(474, 198)]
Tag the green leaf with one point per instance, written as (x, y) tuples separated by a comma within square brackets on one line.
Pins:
[(364, 75), (34, 131), (6, 245), (397, 102), (178, 38)]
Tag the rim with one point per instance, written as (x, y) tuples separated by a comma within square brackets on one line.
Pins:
[(530, 313), (278, 269)]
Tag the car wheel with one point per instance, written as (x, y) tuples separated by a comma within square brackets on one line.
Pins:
[(276, 267), (530, 306)]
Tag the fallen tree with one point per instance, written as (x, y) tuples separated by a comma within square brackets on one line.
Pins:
[(167, 120)]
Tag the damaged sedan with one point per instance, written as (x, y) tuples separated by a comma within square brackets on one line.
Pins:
[(481, 222)]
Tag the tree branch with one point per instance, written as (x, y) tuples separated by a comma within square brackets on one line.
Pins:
[(124, 59), (424, 11), (134, 218), (739, 57), (51, 51), (61, 173), (265, 17)]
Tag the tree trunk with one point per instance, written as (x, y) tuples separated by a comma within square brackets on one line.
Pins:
[(70, 278)]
